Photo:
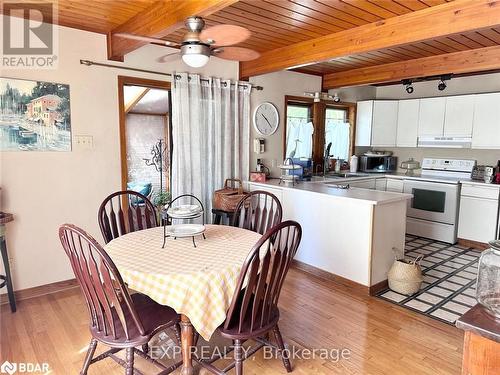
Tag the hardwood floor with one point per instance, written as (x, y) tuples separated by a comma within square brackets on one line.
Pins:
[(381, 338)]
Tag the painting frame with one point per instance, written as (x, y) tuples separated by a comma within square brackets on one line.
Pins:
[(35, 115)]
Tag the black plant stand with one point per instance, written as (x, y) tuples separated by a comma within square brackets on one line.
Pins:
[(6, 280)]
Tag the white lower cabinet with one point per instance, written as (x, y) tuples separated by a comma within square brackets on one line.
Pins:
[(478, 218), (367, 184), (381, 184), (394, 185)]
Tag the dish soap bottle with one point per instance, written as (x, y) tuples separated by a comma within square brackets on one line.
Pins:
[(353, 164)]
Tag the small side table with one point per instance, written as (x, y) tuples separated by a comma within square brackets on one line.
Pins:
[(6, 280), (481, 342)]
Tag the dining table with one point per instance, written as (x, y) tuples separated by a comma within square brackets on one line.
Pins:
[(197, 282)]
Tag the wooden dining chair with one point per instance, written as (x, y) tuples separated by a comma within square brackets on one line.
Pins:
[(125, 211), (253, 312), (258, 211), (118, 322)]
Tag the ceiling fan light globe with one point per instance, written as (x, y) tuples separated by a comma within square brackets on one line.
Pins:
[(195, 55), (195, 61)]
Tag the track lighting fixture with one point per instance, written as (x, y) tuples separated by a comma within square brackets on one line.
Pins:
[(442, 83), (336, 98), (408, 86)]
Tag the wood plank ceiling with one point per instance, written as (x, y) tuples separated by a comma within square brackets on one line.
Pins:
[(280, 23)]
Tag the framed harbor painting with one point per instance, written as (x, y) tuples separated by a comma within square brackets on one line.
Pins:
[(34, 116)]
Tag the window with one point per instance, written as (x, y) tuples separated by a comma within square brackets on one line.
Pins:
[(337, 132), (311, 126), (299, 131)]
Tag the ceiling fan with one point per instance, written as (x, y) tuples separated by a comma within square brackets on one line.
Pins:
[(200, 43)]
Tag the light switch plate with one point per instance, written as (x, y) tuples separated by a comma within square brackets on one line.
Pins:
[(84, 142)]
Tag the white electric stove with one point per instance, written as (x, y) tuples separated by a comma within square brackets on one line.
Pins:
[(433, 210)]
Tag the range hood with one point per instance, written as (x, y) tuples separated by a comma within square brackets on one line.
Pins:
[(445, 142)]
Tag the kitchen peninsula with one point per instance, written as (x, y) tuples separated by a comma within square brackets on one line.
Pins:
[(349, 233)]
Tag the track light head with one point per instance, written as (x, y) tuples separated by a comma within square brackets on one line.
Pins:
[(336, 98), (441, 85), (408, 86)]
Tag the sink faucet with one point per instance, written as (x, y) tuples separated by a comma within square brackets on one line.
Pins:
[(326, 158)]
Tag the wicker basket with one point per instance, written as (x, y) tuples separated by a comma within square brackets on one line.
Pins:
[(405, 277), (227, 198)]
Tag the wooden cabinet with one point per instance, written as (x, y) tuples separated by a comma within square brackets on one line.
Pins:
[(384, 123), (478, 217), (407, 123), (481, 354), (395, 185), (364, 115), (486, 123), (431, 116), (458, 116)]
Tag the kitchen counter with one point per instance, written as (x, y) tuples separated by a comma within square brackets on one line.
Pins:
[(351, 233), (323, 186)]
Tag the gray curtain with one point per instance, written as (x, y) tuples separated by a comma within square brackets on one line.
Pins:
[(210, 135)]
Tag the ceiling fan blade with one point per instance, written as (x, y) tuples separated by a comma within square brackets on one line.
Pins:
[(236, 53), (167, 57), (225, 35), (147, 39)]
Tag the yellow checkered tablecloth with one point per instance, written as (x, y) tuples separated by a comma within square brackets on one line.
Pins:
[(197, 282)]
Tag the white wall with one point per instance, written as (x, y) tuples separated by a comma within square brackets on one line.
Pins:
[(355, 94), (46, 189), (276, 86)]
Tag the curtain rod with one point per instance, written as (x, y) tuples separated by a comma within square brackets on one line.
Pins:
[(89, 63)]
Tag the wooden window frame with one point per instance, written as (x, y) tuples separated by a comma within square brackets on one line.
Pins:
[(143, 82), (318, 117)]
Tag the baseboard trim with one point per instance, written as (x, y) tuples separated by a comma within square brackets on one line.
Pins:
[(322, 274), (41, 290), (480, 246), (374, 289)]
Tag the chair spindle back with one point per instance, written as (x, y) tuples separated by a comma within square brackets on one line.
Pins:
[(110, 306), (115, 219), (262, 276)]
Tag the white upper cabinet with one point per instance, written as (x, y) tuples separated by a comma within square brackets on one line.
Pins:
[(431, 116), (384, 124), (364, 115), (459, 116), (486, 123), (407, 124)]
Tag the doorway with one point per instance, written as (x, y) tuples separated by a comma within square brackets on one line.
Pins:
[(145, 135)]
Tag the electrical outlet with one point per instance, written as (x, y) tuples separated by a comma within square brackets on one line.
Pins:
[(11, 264), (274, 163), (84, 142)]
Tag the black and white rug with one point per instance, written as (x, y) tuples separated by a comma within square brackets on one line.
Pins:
[(450, 271)]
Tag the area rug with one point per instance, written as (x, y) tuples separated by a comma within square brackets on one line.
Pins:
[(450, 272)]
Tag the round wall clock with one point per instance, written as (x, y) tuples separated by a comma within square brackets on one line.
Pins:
[(266, 118)]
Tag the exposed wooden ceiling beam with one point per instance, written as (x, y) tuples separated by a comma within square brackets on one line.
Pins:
[(437, 21), (476, 60), (162, 18)]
